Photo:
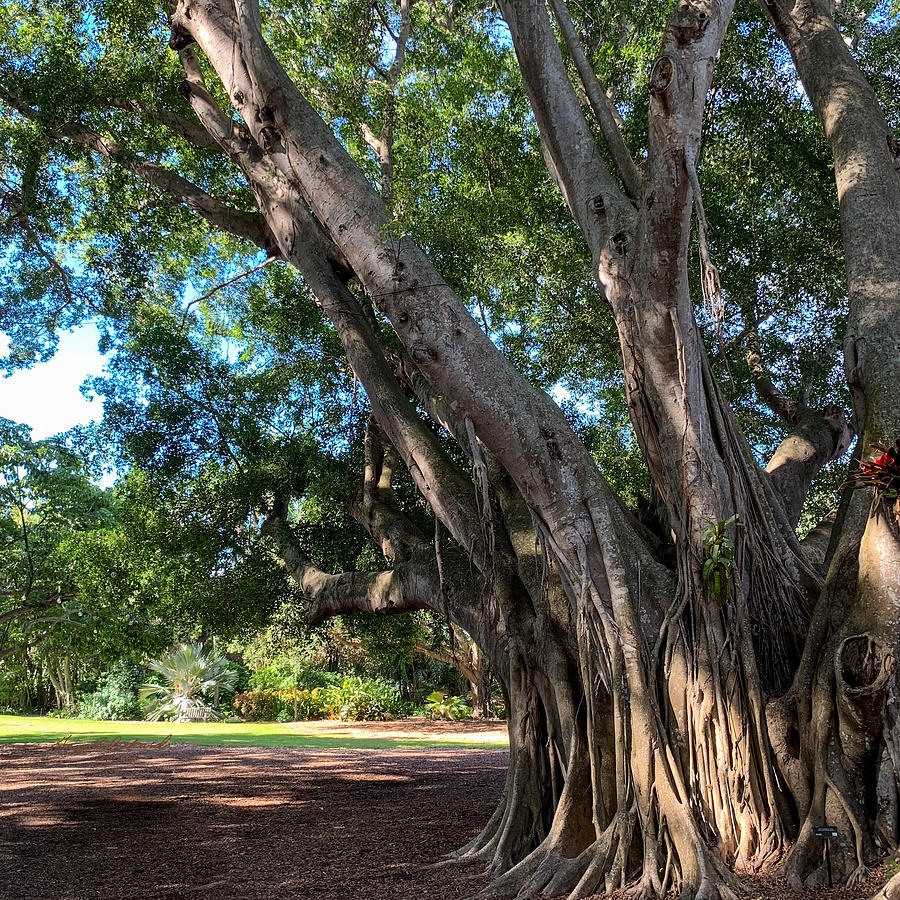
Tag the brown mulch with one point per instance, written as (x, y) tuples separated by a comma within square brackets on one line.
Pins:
[(258, 824), (772, 887), (210, 822), (411, 728)]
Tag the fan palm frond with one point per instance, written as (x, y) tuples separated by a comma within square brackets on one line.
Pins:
[(187, 674)]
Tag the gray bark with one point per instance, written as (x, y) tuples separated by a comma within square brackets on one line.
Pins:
[(836, 698)]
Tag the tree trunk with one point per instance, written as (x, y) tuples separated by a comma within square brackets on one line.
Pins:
[(835, 745), (480, 684)]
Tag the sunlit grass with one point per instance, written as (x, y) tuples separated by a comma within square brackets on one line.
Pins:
[(42, 729)]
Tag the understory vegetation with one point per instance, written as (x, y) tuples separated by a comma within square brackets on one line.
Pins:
[(257, 683)]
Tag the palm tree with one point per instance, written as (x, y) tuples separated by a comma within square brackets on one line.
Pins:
[(187, 673)]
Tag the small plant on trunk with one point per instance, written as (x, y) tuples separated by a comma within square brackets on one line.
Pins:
[(882, 474), (719, 557)]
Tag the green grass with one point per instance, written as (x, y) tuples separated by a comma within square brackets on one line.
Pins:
[(42, 729)]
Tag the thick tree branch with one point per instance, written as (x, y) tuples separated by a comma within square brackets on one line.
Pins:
[(411, 585), (868, 184), (448, 490), (434, 325), (458, 658), (818, 436), (595, 200), (600, 104), (248, 225), (815, 544)]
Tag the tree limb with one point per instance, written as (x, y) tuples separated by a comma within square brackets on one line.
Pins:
[(192, 132), (780, 404), (431, 321), (376, 508), (411, 585), (600, 104), (818, 436), (815, 544), (595, 200), (386, 142), (248, 225), (447, 489)]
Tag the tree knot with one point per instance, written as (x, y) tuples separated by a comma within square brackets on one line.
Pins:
[(662, 73), (619, 242), (863, 664), (270, 139), (180, 39), (690, 20)]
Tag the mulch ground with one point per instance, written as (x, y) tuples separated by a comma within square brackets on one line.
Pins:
[(256, 824), (410, 728), (200, 822)]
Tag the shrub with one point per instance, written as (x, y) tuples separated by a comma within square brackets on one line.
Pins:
[(256, 706), (354, 699), (115, 698), (278, 706), (359, 699), (451, 708)]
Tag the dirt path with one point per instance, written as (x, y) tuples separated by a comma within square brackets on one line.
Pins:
[(488, 731), (200, 822)]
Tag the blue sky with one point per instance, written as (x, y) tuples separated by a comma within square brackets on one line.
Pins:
[(47, 396)]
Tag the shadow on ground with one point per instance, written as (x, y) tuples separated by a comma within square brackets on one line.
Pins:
[(220, 822)]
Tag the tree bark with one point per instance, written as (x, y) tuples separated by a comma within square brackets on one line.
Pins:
[(836, 753)]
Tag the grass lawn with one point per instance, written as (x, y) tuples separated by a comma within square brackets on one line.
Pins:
[(339, 735)]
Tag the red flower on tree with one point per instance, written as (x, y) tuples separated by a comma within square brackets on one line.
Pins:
[(881, 473)]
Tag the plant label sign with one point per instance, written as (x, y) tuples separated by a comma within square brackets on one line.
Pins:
[(825, 831)]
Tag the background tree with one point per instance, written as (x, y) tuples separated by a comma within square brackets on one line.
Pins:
[(50, 511)]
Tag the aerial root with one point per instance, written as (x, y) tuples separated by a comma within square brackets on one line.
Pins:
[(644, 890), (554, 876), (547, 872), (607, 865), (771, 846), (717, 881), (510, 882), (716, 889), (603, 868)]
